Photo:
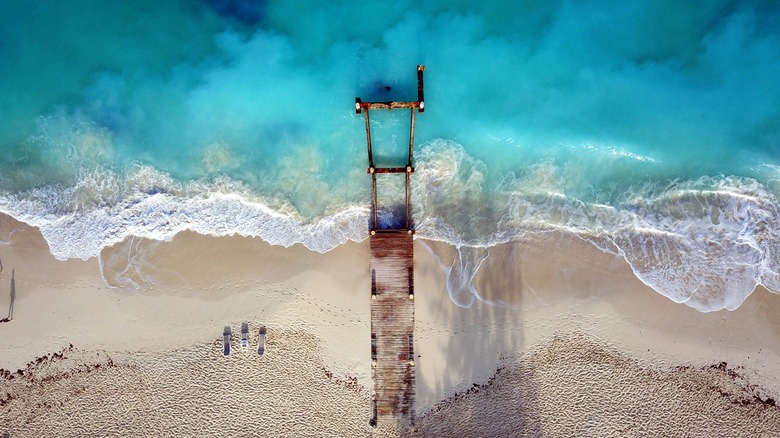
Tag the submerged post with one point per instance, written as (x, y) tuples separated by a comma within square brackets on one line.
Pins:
[(368, 134), (420, 88), (374, 209)]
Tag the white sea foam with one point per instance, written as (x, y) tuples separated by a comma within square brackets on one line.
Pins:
[(706, 243), (102, 209)]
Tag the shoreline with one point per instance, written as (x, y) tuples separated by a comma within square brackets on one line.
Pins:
[(194, 285)]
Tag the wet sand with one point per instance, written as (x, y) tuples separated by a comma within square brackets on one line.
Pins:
[(581, 346)]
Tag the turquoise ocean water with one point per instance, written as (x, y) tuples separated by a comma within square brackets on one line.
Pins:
[(649, 128)]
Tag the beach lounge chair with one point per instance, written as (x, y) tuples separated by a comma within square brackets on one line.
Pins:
[(226, 340), (261, 341), (245, 337)]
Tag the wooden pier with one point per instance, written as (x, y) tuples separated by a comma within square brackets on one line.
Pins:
[(392, 286), (392, 326)]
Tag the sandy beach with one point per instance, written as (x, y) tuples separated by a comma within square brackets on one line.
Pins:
[(203, 232), (131, 345)]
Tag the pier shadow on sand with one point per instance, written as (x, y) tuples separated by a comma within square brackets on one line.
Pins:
[(480, 337)]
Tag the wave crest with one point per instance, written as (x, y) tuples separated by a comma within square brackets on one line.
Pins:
[(103, 208), (706, 243)]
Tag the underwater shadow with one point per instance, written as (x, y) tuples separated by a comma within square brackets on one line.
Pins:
[(391, 217), (246, 12)]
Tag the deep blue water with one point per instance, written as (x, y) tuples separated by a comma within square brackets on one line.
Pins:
[(650, 128)]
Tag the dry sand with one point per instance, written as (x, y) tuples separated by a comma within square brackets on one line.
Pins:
[(574, 386), (583, 347)]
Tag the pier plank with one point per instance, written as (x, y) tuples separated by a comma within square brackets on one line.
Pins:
[(392, 325)]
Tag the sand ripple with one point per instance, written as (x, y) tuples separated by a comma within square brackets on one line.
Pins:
[(574, 386), (570, 386), (194, 392)]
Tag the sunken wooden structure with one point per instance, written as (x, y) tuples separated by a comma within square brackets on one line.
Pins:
[(392, 285)]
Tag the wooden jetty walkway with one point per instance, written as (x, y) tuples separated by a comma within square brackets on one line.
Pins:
[(392, 286)]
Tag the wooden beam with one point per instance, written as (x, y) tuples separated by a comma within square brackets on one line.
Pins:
[(368, 139), (386, 105), (420, 88), (407, 169), (411, 141)]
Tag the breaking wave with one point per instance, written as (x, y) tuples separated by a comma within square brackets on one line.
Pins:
[(103, 208), (706, 243)]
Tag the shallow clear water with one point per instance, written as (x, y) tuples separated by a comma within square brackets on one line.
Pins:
[(651, 129)]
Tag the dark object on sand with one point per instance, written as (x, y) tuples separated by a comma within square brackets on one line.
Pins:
[(245, 337), (261, 341), (226, 340)]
